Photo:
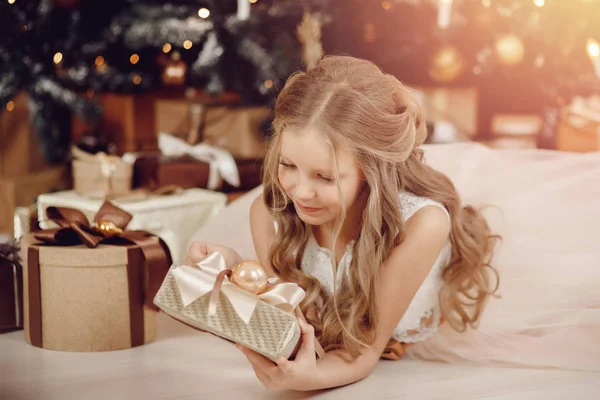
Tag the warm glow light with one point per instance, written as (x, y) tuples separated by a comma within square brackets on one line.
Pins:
[(187, 44), (57, 57), (11, 1), (137, 79), (203, 13), (252, 1), (486, 3), (269, 84), (539, 3), (134, 59), (99, 61), (166, 48), (10, 105), (386, 5), (593, 48)]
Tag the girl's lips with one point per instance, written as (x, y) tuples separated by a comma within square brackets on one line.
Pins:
[(307, 209)]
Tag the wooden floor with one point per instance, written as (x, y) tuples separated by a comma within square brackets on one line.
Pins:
[(186, 364)]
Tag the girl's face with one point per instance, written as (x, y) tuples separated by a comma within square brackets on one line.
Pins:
[(306, 174)]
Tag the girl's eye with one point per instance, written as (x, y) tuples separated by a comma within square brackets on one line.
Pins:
[(326, 179), (286, 165)]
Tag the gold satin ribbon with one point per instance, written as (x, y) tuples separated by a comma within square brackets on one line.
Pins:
[(212, 275)]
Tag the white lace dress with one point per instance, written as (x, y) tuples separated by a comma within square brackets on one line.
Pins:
[(423, 314)]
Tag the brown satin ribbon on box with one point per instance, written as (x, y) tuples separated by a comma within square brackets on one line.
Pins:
[(145, 250), (9, 256)]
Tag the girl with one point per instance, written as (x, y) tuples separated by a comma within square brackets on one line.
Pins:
[(351, 212)]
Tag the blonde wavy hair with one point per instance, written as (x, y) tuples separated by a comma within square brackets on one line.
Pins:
[(355, 105)]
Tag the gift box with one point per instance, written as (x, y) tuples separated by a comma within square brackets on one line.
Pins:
[(173, 217), (200, 166), (156, 170), (89, 287), (22, 191), (11, 288), (239, 130), (578, 129), (203, 297), (100, 175)]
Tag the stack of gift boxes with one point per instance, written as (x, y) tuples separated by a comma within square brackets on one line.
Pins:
[(88, 277)]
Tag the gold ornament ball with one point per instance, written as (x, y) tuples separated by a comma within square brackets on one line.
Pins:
[(447, 64), (108, 228), (250, 276), (510, 49)]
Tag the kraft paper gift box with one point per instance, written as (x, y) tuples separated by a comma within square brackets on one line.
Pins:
[(11, 288), (100, 175), (265, 323), (174, 218), (578, 129), (89, 287), (239, 130)]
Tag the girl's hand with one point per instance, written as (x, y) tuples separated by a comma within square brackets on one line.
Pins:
[(199, 250), (300, 374)]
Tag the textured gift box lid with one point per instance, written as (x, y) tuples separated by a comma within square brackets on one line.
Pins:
[(187, 197), (84, 297)]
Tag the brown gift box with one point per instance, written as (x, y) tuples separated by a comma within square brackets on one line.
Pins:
[(155, 170), (81, 298), (238, 130), (579, 125), (24, 190), (578, 138), (100, 175), (11, 289)]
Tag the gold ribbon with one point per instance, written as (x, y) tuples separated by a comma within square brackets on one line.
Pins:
[(211, 275)]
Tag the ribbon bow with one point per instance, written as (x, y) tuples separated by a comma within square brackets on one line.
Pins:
[(109, 227), (211, 275), (221, 162)]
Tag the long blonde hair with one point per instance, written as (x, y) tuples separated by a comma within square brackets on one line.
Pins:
[(355, 104)]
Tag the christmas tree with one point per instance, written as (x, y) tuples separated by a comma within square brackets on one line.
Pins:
[(63, 52)]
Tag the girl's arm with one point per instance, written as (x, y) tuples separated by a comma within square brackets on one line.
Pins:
[(401, 276)]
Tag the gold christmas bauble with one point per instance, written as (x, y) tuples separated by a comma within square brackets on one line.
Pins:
[(250, 276), (510, 49), (108, 228), (447, 64)]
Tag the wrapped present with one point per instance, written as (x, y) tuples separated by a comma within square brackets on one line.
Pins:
[(200, 165), (156, 170), (239, 130), (255, 312), (11, 288), (89, 287), (99, 175), (174, 217), (22, 191), (236, 129), (579, 125)]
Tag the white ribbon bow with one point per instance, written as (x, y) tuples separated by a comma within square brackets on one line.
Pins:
[(196, 281), (221, 163)]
